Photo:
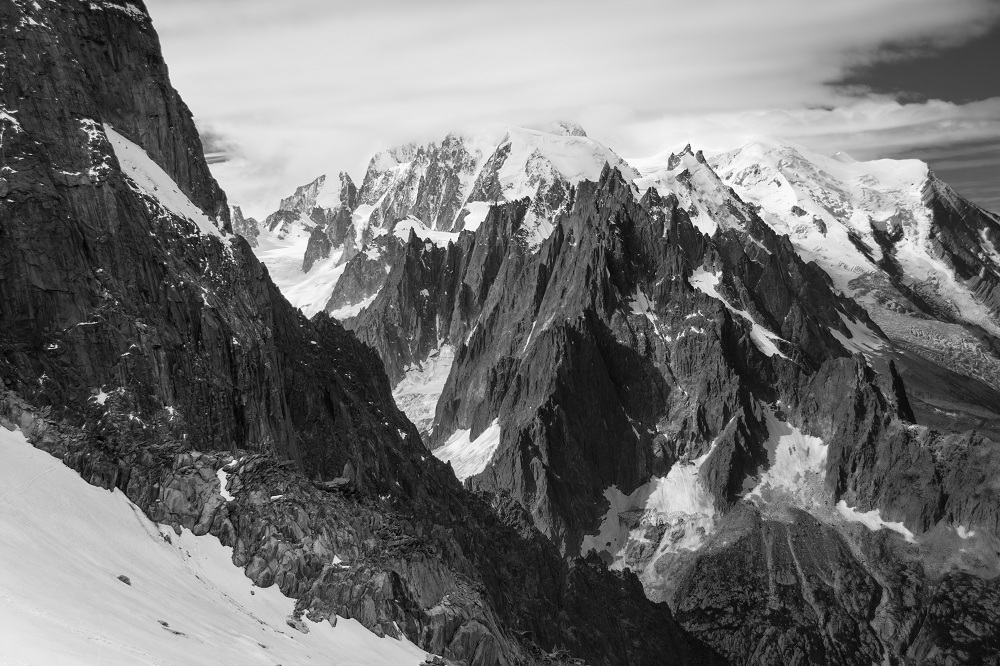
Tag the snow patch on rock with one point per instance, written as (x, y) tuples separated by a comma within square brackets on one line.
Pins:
[(765, 340), (796, 466), (156, 183), (873, 520), (477, 212), (223, 482), (678, 501), (354, 309), (964, 532), (418, 391), (863, 340), (439, 238), (470, 457)]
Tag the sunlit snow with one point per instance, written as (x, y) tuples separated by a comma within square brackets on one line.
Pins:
[(862, 339), (678, 500), (354, 309), (574, 158), (283, 258), (418, 392), (873, 520), (439, 238), (827, 204), (223, 482), (796, 465), (469, 458), (154, 181), (478, 210), (708, 283)]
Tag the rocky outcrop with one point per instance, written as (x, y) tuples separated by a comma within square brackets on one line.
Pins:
[(877, 228), (332, 223), (427, 182), (247, 227)]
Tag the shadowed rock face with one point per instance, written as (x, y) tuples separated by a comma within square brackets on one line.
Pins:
[(147, 355)]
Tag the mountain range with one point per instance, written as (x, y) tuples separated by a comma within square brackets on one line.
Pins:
[(767, 356), (512, 400)]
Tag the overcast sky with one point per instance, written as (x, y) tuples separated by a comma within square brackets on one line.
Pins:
[(297, 88)]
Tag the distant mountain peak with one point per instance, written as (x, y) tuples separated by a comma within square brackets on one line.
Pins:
[(567, 128)]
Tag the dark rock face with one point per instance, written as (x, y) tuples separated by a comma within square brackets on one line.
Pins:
[(960, 230), (415, 310), (147, 356)]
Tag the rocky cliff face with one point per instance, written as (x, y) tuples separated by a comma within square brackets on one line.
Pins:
[(144, 345)]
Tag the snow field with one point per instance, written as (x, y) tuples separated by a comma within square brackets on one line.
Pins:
[(469, 457), (283, 258), (418, 392)]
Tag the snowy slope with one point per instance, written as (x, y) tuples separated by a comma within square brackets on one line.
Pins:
[(521, 163), (283, 257), (678, 501), (151, 180), (63, 544), (536, 156), (439, 238)]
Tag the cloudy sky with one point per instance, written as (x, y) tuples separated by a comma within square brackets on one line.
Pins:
[(289, 90)]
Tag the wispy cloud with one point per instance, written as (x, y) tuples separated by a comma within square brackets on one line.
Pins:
[(866, 129), (311, 86)]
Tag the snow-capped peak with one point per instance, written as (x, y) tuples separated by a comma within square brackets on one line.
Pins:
[(539, 166), (698, 188), (855, 218)]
